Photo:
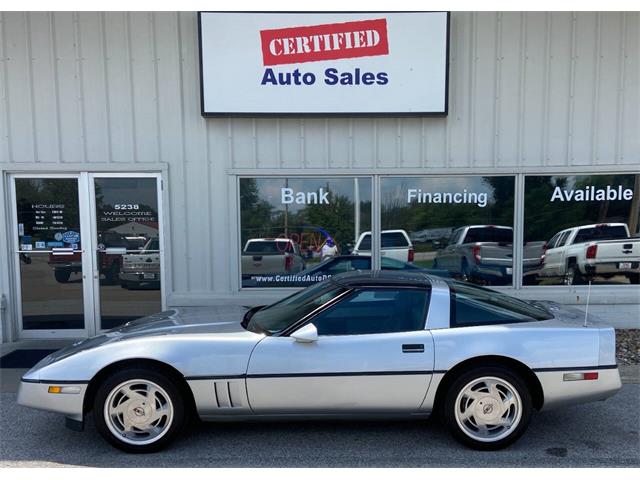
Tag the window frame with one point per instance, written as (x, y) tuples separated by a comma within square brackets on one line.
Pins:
[(234, 183)]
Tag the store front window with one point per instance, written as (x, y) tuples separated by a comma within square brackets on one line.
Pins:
[(298, 231), (583, 227), (458, 226)]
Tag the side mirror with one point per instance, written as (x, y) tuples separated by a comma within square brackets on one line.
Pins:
[(306, 334)]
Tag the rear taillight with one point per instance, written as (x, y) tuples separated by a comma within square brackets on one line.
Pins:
[(411, 255), (475, 250), (545, 247), (288, 262), (592, 250), (572, 377)]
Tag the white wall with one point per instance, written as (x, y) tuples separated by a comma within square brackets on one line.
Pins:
[(528, 91)]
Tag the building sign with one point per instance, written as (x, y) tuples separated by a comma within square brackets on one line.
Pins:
[(324, 63)]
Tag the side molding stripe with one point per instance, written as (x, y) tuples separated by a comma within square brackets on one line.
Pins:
[(56, 382), (317, 374), (569, 369)]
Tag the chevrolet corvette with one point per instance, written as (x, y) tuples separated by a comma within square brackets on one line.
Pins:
[(364, 344)]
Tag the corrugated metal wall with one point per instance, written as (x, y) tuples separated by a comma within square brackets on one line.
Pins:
[(527, 90)]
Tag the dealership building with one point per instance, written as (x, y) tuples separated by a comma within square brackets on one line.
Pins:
[(159, 160)]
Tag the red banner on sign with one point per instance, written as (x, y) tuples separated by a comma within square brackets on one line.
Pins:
[(331, 41)]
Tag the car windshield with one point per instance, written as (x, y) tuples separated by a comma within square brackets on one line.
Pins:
[(499, 300), (280, 315)]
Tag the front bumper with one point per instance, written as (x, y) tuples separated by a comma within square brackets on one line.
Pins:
[(559, 393), (35, 394)]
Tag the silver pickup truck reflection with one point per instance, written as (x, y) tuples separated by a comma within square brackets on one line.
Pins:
[(375, 344), (484, 254)]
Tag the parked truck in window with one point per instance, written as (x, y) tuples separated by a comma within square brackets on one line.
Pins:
[(579, 254), (271, 256), (395, 244), (484, 254)]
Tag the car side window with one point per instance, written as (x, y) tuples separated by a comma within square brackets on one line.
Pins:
[(562, 240), (455, 236), (472, 306), (371, 311), (365, 243), (552, 243)]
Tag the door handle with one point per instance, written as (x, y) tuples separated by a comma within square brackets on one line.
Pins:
[(413, 348)]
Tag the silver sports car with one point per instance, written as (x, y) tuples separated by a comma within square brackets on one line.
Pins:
[(362, 344)]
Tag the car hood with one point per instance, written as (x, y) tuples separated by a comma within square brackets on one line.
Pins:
[(193, 320)]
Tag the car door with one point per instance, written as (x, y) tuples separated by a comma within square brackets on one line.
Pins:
[(554, 256), (372, 354), (445, 256)]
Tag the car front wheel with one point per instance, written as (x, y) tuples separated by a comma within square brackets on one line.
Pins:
[(487, 408), (138, 410)]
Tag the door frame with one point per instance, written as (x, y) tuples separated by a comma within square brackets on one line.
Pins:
[(94, 239), (84, 219), (88, 225)]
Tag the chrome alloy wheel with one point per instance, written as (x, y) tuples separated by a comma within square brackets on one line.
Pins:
[(138, 412), (488, 409)]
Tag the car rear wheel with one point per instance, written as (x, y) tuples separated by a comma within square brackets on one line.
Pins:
[(138, 410), (487, 408), (573, 275)]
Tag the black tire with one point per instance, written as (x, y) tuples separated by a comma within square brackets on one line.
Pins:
[(634, 278), (158, 377), (573, 276), (62, 276), (516, 429)]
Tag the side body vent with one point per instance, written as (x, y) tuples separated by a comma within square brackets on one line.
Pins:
[(229, 393), (219, 397)]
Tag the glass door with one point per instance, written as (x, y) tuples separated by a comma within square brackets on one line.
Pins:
[(50, 256), (87, 251), (127, 262)]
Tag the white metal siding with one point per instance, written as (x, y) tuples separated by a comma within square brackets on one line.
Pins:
[(527, 90)]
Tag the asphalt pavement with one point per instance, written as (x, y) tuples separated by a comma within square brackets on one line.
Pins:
[(602, 434)]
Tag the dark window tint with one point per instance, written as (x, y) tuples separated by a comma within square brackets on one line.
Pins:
[(489, 234), (268, 247), (473, 306), (280, 315), (347, 265), (153, 244), (375, 311), (389, 240), (600, 232), (553, 241), (365, 244), (393, 240), (387, 263), (562, 239), (455, 236)]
